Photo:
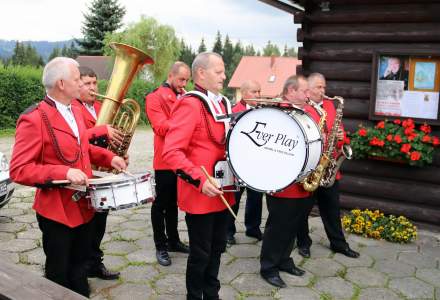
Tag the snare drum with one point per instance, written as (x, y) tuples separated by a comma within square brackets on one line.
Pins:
[(268, 149), (122, 191)]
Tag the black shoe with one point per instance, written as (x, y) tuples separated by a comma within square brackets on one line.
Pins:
[(102, 272), (257, 235), (178, 247), (163, 258), (347, 252), (230, 240), (304, 252), (294, 271), (274, 280)]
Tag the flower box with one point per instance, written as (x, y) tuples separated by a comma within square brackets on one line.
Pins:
[(397, 141)]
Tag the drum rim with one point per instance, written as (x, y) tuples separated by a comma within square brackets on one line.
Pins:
[(241, 181), (126, 182)]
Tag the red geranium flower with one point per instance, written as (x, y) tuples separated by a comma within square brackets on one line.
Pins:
[(405, 148), (425, 128), (377, 142), (415, 155), (435, 141), (426, 139), (409, 123), (362, 132), (409, 131), (389, 137), (397, 121), (397, 139), (380, 125)]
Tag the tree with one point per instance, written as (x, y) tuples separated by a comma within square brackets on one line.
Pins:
[(105, 16), (202, 47), (218, 47), (228, 51), (26, 55), (291, 52), (271, 50), (249, 50), (158, 41), (55, 53), (187, 55)]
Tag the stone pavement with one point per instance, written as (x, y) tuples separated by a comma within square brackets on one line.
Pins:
[(384, 270)]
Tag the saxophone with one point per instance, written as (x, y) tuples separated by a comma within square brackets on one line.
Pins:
[(345, 153), (312, 181)]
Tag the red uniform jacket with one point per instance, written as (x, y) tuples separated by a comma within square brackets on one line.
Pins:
[(35, 162), (158, 106), (239, 106), (329, 107), (92, 131), (193, 140), (296, 190)]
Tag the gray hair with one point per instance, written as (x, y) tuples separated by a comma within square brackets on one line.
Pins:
[(57, 69), (248, 84), (292, 81), (202, 62), (312, 77)]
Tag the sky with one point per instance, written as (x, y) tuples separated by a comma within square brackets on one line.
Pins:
[(250, 21)]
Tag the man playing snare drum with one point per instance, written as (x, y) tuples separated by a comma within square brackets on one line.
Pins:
[(51, 143)]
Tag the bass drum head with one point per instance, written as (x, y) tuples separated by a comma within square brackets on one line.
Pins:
[(266, 149)]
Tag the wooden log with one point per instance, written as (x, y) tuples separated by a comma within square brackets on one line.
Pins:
[(357, 2), (350, 71), (373, 168), (347, 89), (372, 13), (410, 191), (378, 32), (352, 125), (18, 283), (415, 212), (359, 51), (356, 108)]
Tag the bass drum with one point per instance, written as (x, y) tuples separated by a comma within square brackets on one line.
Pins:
[(268, 149)]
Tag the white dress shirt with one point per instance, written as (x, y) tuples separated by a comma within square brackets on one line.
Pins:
[(66, 112), (91, 109)]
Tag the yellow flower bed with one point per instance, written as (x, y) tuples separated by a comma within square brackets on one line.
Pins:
[(374, 224)]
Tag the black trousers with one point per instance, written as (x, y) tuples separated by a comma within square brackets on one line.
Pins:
[(280, 232), (97, 229), (252, 213), (66, 251), (330, 211), (164, 210), (207, 241)]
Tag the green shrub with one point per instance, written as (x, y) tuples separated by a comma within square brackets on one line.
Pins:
[(138, 90), (20, 87)]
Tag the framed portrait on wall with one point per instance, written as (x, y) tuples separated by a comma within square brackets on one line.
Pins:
[(405, 85)]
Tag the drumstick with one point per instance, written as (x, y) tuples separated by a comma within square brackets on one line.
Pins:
[(212, 181)]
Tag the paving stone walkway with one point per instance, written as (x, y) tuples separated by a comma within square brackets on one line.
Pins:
[(384, 270)]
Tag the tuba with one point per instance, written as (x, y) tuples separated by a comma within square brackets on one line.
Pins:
[(122, 114)]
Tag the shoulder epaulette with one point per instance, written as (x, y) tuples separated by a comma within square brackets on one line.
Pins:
[(30, 109)]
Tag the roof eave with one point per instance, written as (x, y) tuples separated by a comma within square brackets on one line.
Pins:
[(290, 8)]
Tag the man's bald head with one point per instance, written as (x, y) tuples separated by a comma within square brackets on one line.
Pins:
[(250, 89), (178, 76)]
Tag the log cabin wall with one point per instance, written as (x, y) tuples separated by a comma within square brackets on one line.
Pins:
[(339, 43)]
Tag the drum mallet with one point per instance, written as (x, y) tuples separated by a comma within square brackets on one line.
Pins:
[(225, 202)]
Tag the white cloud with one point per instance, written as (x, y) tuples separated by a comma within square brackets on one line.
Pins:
[(247, 20)]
